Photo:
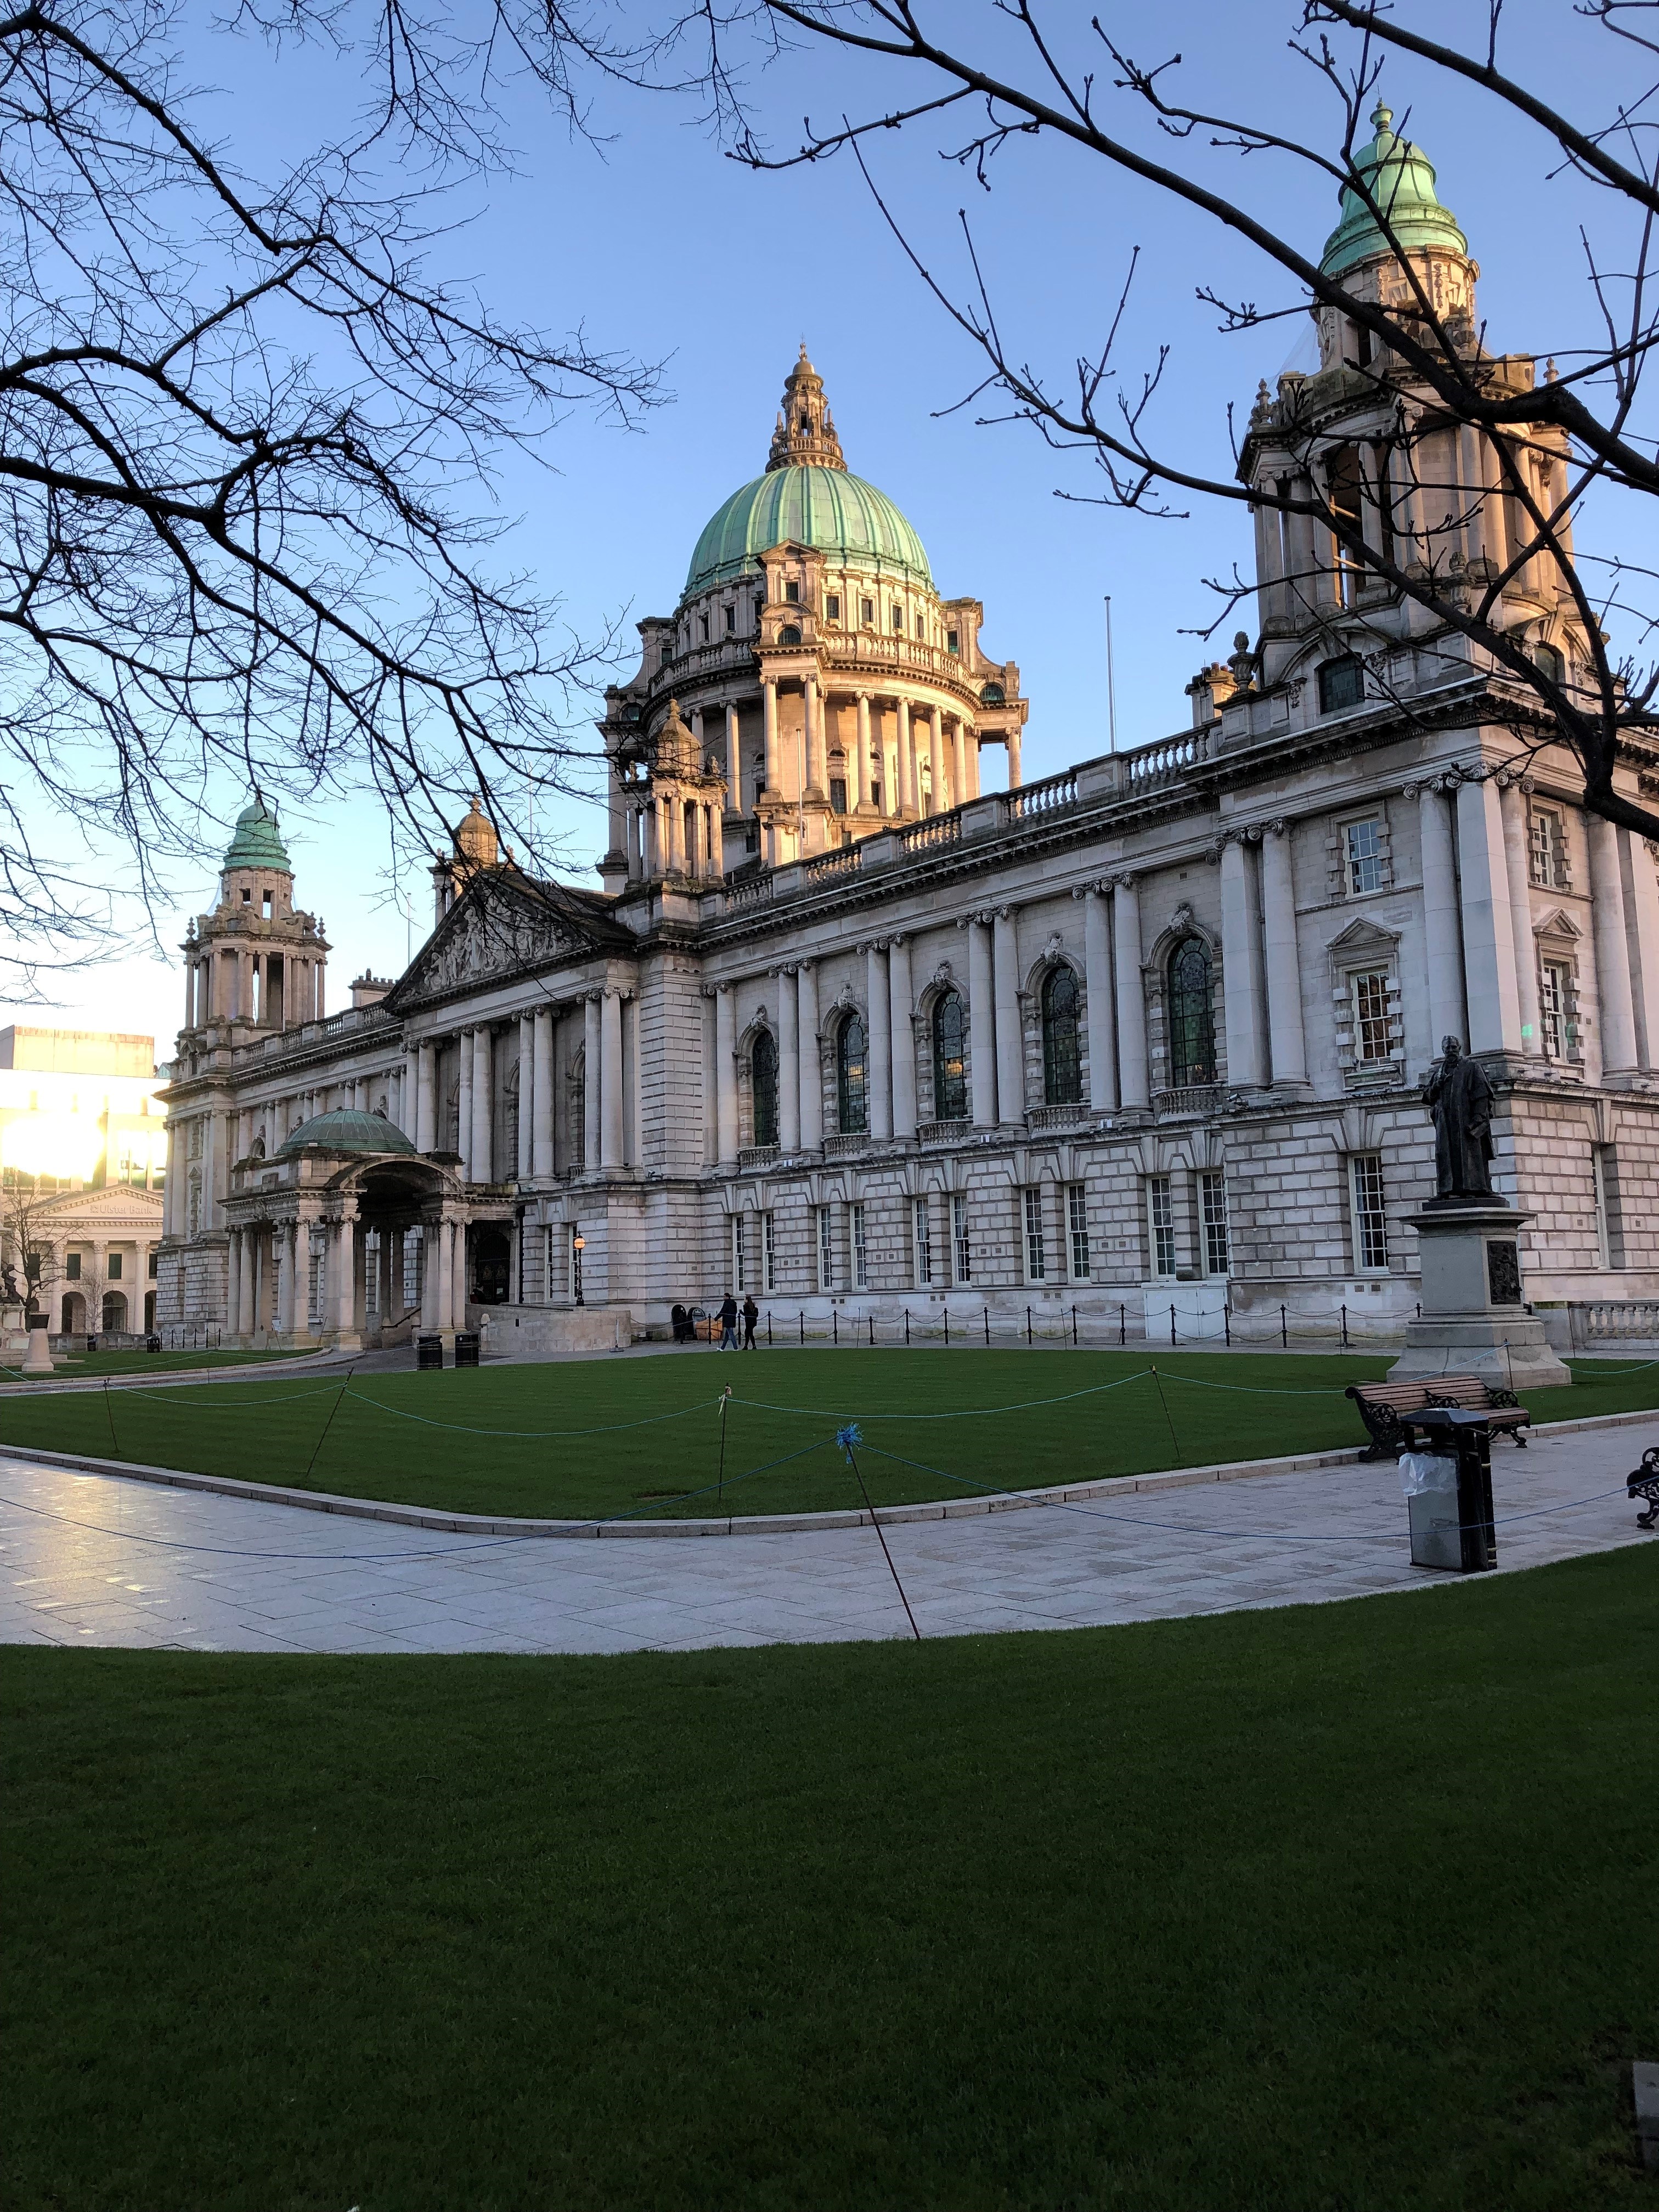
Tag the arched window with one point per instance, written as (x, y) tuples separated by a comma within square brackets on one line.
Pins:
[(1192, 1019), (789, 634), (1341, 683), (852, 1065), (578, 1123), (510, 1130), (764, 1080), (950, 1058), (992, 695), (1062, 1059), (1549, 662)]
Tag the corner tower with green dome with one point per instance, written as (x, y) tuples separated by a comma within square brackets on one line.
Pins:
[(254, 963), (811, 687)]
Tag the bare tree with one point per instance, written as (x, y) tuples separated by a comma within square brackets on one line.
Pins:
[(1459, 499), (29, 1265), (248, 440)]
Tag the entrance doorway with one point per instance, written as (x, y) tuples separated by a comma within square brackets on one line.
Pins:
[(492, 1265)]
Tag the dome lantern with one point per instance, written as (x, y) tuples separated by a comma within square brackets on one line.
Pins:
[(1401, 179), (257, 843)]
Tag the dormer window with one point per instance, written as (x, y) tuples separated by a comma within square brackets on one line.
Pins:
[(792, 594), (832, 607)]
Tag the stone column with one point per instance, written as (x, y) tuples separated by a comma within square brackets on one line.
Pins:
[(431, 1275), (788, 1063), (936, 758), (248, 1299), (652, 841), (1613, 983), (902, 998), (878, 1027), (981, 1023), (591, 1082), (1241, 966), (1133, 1083), (541, 1148), (970, 740), (631, 828), (233, 1285), (858, 755), (484, 1086), (1011, 1045), (610, 1084), (818, 779), (905, 796), (1442, 921), (770, 727), (464, 1116), (426, 1096), (284, 1251), (733, 757), (1097, 982), (526, 1094), (1014, 774), (1488, 935), (716, 843), (1512, 807), (343, 1283), (726, 1073), (1637, 865), (812, 1076), (1286, 1042)]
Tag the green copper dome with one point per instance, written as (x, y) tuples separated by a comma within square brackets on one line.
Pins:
[(258, 842), (828, 508), (345, 1131), (1401, 179)]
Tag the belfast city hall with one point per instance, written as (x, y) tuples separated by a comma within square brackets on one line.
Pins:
[(848, 1020)]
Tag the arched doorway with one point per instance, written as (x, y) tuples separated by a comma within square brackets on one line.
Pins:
[(75, 1314), (492, 1264), (149, 1313), (115, 1313)]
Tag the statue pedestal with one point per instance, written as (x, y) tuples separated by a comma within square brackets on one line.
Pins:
[(1475, 1320), (40, 1360)]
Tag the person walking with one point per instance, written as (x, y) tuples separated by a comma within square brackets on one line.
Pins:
[(729, 1323), (750, 1316)]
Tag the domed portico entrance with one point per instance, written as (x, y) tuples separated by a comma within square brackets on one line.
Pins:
[(347, 1239)]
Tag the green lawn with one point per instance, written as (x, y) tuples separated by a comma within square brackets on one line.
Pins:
[(79, 1364), (449, 1439), (1342, 1906)]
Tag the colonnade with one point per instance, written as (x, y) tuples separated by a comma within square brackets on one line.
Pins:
[(229, 981), (267, 1289), (604, 1136)]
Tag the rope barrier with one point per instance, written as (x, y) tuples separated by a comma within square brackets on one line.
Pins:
[(457, 1428), (961, 1413)]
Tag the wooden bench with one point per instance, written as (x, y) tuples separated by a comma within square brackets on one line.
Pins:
[(1386, 1408)]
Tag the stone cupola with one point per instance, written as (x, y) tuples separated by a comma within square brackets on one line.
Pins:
[(807, 429)]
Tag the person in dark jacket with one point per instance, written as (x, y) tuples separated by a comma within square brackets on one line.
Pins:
[(729, 1323), (750, 1316)]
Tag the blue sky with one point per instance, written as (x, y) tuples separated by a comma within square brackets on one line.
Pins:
[(661, 246)]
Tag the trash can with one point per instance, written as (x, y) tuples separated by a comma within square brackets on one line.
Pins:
[(1448, 1491), (429, 1351), (466, 1348), (152, 1344)]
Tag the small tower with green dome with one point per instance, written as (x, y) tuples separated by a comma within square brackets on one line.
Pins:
[(254, 963)]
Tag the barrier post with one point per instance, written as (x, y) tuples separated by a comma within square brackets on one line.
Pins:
[(1074, 1329), (1122, 1323), (1172, 1334), (906, 1328), (803, 1324), (988, 1328), (947, 1325), (1226, 1321), (769, 1328), (1345, 1325), (1284, 1330), (1028, 1328), (834, 1323), (872, 1332)]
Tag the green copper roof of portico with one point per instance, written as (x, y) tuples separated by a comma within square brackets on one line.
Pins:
[(346, 1130), (1400, 178), (829, 509), (257, 841)]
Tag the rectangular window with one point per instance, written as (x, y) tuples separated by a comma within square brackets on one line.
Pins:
[(962, 1256), (1370, 1017), (152, 1271), (1212, 1193), (576, 1245), (115, 1267), (832, 607), (1548, 844), (73, 1264), (1370, 1226), (1363, 843), (898, 618), (860, 1255), (769, 1254), (953, 640), (922, 1235), (792, 594), (838, 794), (1609, 1225), (760, 609), (826, 1249), (739, 1255), (316, 1281), (731, 622), (1036, 1258), (1555, 1009), (1160, 1213), (1077, 1217), (702, 629), (868, 612)]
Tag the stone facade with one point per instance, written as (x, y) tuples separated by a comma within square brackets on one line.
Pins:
[(847, 1029)]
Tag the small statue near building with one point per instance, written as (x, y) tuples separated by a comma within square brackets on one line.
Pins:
[(1459, 1098)]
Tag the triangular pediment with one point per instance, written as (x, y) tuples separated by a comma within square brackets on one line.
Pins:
[(503, 925), (1365, 938), (117, 1203), (1557, 922)]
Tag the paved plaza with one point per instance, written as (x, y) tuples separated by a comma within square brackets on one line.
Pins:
[(95, 1559)]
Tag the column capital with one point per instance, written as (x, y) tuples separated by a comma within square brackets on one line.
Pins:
[(1280, 826), (1122, 879), (868, 944)]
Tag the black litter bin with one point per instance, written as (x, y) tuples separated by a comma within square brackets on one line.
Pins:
[(429, 1351), (1470, 1548), (466, 1348), (152, 1344), (92, 1344)]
